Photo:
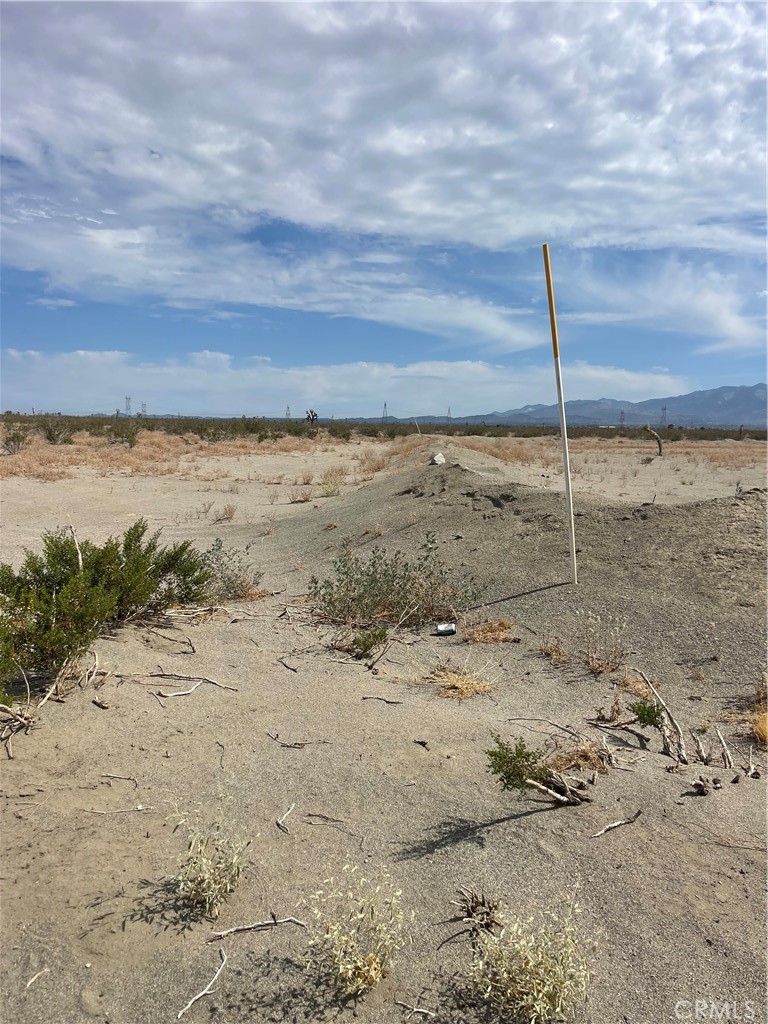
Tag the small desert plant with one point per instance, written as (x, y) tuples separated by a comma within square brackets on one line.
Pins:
[(226, 515), (604, 649), (458, 683), (299, 495), (307, 478), (231, 575), (647, 713), (210, 871), (533, 971), (358, 929), (329, 490), (390, 589), (515, 766), (497, 632), (365, 643), (273, 494), (14, 439), (553, 649), (646, 460), (123, 432)]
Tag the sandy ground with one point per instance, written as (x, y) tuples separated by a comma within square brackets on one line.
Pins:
[(671, 553)]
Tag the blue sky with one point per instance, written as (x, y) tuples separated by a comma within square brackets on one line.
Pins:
[(231, 208)]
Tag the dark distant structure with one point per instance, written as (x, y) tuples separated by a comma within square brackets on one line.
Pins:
[(384, 416)]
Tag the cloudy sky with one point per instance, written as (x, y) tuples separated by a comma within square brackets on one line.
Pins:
[(233, 208)]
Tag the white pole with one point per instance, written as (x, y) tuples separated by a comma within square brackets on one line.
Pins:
[(561, 403)]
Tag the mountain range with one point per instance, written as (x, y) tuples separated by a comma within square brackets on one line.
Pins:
[(717, 407)]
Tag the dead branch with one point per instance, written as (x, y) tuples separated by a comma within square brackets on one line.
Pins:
[(285, 664), (414, 1009), (383, 699), (622, 727), (576, 735), (77, 547), (175, 640), (100, 704), (125, 778), (750, 770), (727, 759), (681, 755), (550, 793), (281, 821), (298, 745), (122, 810), (208, 988), (653, 434), (221, 755), (198, 680), (702, 755), (258, 926), (617, 824)]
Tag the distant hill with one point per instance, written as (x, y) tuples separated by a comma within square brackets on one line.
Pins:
[(718, 407)]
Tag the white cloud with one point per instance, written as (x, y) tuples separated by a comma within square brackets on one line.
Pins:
[(53, 303), (635, 125), (214, 383)]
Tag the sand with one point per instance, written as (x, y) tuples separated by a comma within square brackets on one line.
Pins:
[(671, 554)]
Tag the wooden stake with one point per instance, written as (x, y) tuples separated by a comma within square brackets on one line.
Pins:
[(561, 404)]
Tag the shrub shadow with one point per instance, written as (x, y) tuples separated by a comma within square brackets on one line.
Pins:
[(453, 831)]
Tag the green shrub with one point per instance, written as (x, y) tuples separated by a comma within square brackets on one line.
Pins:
[(55, 606), (15, 438), (514, 765), (647, 713), (390, 589), (56, 432), (231, 577), (123, 432)]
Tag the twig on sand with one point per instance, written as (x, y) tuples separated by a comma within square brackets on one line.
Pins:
[(121, 810), (414, 1009), (727, 759), (258, 926), (384, 699), (554, 725), (175, 640), (208, 988), (125, 778), (221, 755), (281, 821), (298, 745), (285, 664), (198, 680), (702, 755), (750, 770), (618, 824), (45, 970)]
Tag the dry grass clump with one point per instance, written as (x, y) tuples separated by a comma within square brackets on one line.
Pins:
[(532, 971), (210, 871), (496, 632), (333, 475), (299, 495), (552, 648), (584, 755), (604, 649), (226, 515), (358, 929), (637, 687), (371, 463), (755, 716), (457, 683)]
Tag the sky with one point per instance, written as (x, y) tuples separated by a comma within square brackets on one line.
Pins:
[(239, 208)]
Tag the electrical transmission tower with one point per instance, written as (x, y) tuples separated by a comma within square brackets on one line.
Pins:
[(663, 420), (127, 405), (384, 414), (287, 412), (449, 412), (622, 418), (143, 408)]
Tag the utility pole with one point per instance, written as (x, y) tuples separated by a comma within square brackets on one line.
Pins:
[(127, 405)]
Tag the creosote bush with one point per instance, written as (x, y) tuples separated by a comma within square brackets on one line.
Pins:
[(647, 713), (55, 606), (210, 871), (532, 971), (390, 589), (357, 931)]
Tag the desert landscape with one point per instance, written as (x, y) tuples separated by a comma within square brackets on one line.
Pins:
[(321, 754)]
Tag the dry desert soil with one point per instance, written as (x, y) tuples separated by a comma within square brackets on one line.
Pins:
[(672, 559)]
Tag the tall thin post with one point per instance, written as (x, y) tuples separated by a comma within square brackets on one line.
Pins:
[(561, 404)]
